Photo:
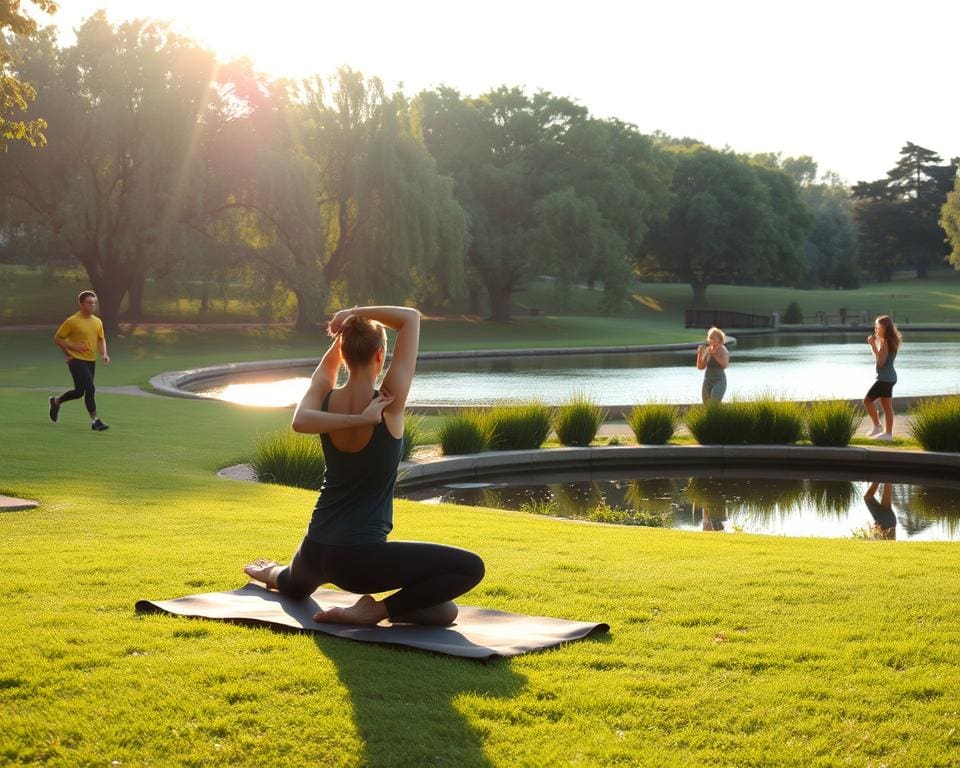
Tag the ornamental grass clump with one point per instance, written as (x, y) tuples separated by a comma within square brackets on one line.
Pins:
[(721, 423), (832, 422), (517, 427), (289, 458), (463, 432), (936, 424), (775, 421), (577, 421), (414, 435), (653, 423)]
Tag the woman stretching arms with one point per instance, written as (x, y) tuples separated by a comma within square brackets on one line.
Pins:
[(362, 434)]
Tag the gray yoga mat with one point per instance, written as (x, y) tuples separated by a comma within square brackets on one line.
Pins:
[(479, 633)]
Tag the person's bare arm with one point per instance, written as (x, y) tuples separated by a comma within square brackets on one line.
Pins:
[(102, 347), (701, 357), (403, 363), (309, 417)]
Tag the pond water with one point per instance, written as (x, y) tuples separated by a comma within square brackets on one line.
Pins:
[(728, 501), (797, 366)]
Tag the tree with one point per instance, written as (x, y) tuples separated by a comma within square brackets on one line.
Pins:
[(547, 188), (910, 198), (729, 221), (123, 166), (950, 221), (16, 95), (330, 192)]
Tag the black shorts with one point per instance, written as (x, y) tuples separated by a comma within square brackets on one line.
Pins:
[(880, 389)]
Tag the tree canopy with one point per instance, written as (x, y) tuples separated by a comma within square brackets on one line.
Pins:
[(16, 95)]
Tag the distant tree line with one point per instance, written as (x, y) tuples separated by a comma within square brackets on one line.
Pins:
[(162, 162)]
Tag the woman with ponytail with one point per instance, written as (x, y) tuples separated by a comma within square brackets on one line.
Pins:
[(361, 428)]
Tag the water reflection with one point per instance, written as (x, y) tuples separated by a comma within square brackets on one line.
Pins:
[(881, 510), (733, 501)]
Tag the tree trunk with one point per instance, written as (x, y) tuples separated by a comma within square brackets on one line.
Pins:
[(309, 309), (135, 298), (499, 302), (205, 297), (473, 294), (922, 267), (699, 294), (110, 290)]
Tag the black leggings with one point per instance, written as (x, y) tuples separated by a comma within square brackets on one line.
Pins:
[(425, 574), (82, 372)]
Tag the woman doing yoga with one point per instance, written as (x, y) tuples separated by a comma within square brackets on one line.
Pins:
[(361, 429)]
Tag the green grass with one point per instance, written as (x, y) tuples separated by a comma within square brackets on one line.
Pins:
[(288, 458), (832, 422), (936, 424), (577, 420), (724, 650), (463, 432), (518, 426), (653, 423)]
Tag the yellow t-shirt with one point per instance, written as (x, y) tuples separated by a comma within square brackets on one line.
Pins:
[(77, 329)]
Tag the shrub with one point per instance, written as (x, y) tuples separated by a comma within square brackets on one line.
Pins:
[(463, 432), (517, 427), (793, 314), (776, 422), (764, 420), (936, 424), (576, 422), (653, 423), (540, 507), (413, 435), (832, 422), (720, 423), (289, 458)]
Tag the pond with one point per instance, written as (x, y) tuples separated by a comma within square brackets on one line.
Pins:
[(797, 366), (784, 504)]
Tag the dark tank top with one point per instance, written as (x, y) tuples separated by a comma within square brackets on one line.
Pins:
[(356, 498)]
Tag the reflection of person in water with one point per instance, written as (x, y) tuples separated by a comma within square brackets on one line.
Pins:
[(884, 521), (713, 521)]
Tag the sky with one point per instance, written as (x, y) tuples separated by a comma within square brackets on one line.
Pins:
[(847, 82)]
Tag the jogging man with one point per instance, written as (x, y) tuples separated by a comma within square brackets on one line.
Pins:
[(81, 337)]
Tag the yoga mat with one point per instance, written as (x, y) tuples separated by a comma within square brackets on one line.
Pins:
[(479, 633)]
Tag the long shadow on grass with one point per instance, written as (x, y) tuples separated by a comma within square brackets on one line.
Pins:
[(405, 702)]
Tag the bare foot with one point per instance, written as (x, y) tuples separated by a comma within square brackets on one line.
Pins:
[(365, 611), (265, 571)]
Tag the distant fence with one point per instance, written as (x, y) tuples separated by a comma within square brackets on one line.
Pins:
[(705, 318)]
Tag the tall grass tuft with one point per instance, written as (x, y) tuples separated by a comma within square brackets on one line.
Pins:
[(653, 423), (517, 427), (720, 423), (577, 421), (289, 458), (463, 432), (414, 435), (832, 422), (776, 421), (936, 424)]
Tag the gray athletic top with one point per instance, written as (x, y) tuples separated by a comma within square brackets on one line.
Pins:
[(713, 370), (887, 372), (356, 498)]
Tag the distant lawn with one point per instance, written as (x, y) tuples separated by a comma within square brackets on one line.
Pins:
[(32, 296), (725, 650)]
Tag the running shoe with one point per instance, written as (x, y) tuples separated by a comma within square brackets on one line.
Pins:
[(98, 426), (54, 408), (886, 437), (875, 431)]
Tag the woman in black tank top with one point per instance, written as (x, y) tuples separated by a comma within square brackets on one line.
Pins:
[(362, 433)]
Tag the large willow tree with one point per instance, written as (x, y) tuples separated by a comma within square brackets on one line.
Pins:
[(127, 107), (336, 195)]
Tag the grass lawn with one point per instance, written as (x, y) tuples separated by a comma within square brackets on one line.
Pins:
[(729, 651)]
